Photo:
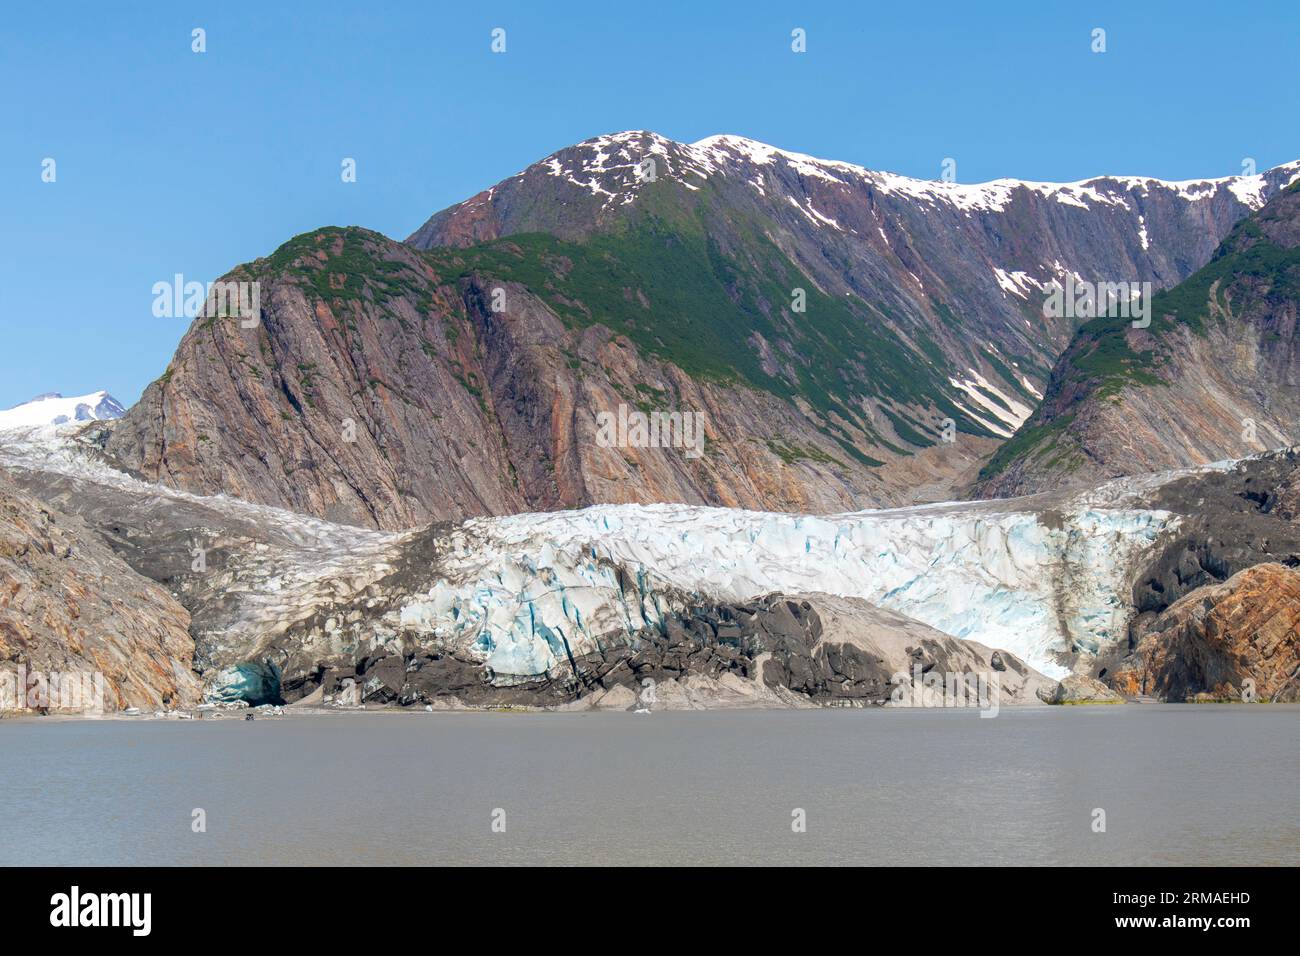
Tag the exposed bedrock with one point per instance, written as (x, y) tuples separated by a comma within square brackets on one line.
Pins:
[(1215, 603), (70, 606)]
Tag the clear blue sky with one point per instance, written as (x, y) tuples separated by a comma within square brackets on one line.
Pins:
[(170, 161)]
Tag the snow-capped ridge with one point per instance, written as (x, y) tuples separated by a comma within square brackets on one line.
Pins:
[(607, 166), (994, 194)]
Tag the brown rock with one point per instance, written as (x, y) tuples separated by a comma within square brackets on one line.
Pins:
[(1222, 640), (69, 605)]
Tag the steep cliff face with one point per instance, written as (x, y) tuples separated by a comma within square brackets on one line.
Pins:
[(358, 396), (839, 338), (1214, 377), (381, 389), (70, 606), (1239, 640)]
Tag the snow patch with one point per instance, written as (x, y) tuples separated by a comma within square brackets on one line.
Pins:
[(1015, 283), (812, 215), (1014, 417)]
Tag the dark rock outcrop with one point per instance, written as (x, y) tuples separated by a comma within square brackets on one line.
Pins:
[(777, 651), (1230, 520)]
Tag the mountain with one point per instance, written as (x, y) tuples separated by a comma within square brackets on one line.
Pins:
[(53, 409), (839, 337), (1215, 376)]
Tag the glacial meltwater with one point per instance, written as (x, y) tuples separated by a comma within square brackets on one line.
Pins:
[(1213, 784)]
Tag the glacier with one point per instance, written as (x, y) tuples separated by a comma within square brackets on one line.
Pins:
[(1043, 584)]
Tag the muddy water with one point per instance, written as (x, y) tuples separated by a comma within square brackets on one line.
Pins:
[(1178, 784)]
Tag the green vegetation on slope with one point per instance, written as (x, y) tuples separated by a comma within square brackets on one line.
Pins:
[(342, 264), (676, 294), (1030, 438)]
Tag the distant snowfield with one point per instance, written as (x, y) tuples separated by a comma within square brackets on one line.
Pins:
[(1036, 576), (54, 409)]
